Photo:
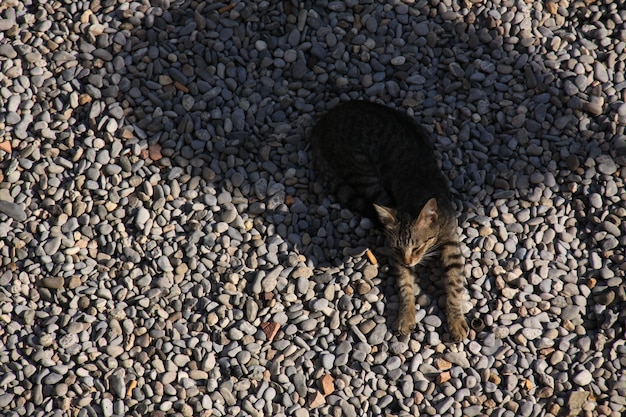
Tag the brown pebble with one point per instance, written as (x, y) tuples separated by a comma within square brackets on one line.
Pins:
[(131, 386), (316, 399), (270, 329), (554, 409), (495, 378), (370, 271), (84, 99), (74, 282), (572, 162), (442, 364), (603, 410), (552, 7), (83, 302), (485, 231), (545, 392), (364, 288), (53, 283), (327, 382), (154, 152), (6, 146), (444, 377), (605, 298)]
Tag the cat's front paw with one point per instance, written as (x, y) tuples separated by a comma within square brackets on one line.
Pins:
[(458, 329), (405, 323)]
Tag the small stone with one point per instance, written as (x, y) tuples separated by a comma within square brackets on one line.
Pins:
[(6, 146), (444, 405), (576, 400), (316, 399), (570, 312), (154, 152), (552, 7), (13, 210), (328, 360), (118, 388), (377, 336), (363, 288), (327, 383), (6, 399), (107, 407), (442, 364), (572, 162), (53, 283), (114, 350), (457, 358), (398, 60), (606, 165), (595, 105), (370, 272), (198, 374), (142, 216), (444, 377), (583, 378), (302, 272), (545, 392)]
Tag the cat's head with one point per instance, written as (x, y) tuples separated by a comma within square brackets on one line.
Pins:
[(410, 238)]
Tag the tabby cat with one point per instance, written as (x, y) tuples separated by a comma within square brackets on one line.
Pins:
[(379, 163)]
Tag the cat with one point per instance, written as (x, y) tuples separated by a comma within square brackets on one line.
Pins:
[(378, 162)]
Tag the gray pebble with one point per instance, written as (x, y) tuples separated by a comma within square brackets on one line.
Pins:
[(377, 335), (13, 210), (582, 378)]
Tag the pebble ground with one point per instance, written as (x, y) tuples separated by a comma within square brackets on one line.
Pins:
[(165, 248)]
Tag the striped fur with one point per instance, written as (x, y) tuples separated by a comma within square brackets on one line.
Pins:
[(379, 162)]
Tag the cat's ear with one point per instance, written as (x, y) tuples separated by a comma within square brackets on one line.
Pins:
[(429, 213), (388, 216)]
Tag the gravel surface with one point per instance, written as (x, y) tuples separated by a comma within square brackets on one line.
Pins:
[(165, 248)]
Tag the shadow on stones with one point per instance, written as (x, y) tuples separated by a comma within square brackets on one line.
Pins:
[(566, 123), (574, 155)]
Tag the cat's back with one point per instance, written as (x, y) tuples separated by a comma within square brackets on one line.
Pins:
[(369, 153), (366, 135), (371, 128)]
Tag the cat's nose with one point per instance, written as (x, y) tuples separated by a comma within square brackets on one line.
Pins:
[(407, 260)]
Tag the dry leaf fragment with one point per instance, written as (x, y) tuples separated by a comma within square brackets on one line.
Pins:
[(131, 386), (528, 384), (591, 283), (180, 86), (371, 257), (226, 8)]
